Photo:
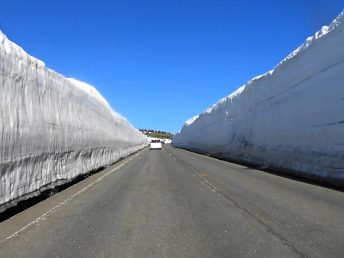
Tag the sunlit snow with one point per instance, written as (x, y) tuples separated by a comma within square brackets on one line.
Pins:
[(290, 118), (52, 128)]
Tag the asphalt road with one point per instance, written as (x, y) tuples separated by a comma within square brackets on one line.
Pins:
[(174, 203)]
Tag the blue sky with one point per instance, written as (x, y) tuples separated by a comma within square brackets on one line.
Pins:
[(160, 62)]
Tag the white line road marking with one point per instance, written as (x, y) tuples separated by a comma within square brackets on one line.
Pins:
[(66, 201)]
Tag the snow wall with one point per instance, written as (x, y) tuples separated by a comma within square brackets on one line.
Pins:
[(290, 119), (52, 129)]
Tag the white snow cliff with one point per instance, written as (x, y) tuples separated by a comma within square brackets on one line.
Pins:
[(290, 119), (52, 128)]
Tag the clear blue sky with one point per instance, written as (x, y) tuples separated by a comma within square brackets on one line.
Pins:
[(160, 62)]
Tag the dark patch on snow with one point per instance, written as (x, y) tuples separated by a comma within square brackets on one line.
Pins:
[(330, 124)]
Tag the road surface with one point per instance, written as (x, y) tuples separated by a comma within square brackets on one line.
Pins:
[(174, 203)]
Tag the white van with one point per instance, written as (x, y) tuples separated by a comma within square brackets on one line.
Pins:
[(155, 145)]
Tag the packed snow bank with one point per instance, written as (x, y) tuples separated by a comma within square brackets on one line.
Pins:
[(52, 129), (291, 118)]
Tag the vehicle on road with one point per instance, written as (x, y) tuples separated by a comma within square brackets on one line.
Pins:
[(155, 145)]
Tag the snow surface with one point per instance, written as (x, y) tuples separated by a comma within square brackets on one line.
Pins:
[(52, 129), (291, 118)]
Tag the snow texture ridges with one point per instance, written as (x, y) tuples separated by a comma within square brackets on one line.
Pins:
[(290, 119), (52, 129)]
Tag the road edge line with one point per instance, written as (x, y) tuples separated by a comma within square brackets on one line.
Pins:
[(68, 199)]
